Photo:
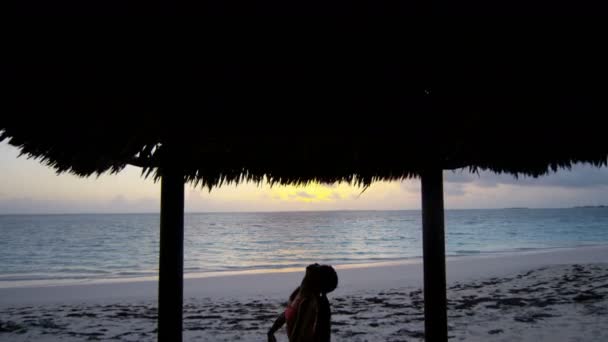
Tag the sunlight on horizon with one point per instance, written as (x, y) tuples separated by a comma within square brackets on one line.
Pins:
[(27, 186), (315, 192)]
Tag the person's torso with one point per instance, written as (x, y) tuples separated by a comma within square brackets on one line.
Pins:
[(291, 315)]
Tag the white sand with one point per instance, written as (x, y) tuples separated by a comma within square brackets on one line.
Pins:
[(492, 298)]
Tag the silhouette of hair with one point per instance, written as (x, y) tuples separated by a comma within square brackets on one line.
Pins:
[(323, 329), (329, 282), (294, 294), (329, 279)]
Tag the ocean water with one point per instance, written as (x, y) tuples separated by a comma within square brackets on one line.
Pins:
[(49, 248)]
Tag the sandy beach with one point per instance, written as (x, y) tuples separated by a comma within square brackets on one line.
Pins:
[(551, 295)]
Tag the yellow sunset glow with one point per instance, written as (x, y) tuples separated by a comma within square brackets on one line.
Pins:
[(314, 192)]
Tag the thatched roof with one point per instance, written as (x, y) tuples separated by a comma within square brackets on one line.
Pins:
[(296, 156), (217, 7), (267, 115), (310, 7)]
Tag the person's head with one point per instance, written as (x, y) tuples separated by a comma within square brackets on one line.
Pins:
[(312, 278), (328, 279), (320, 278)]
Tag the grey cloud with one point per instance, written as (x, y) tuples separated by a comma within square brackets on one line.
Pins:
[(335, 196), (304, 194), (28, 205), (411, 186), (460, 176), (456, 189), (482, 179), (580, 176), (118, 200), (587, 177)]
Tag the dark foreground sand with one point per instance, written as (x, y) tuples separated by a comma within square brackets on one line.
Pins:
[(554, 303)]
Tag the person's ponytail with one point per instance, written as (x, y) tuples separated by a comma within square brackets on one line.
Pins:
[(323, 319)]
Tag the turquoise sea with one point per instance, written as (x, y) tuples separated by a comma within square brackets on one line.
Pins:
[(106, 246)]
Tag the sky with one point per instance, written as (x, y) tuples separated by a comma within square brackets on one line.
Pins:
[(28, 187)]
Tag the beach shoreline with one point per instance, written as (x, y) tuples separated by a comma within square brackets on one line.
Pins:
[(24, 281), (531, 296), (354, 277)]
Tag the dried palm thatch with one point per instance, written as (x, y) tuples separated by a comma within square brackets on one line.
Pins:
[(295, 156), (259, 112), (266, 116)]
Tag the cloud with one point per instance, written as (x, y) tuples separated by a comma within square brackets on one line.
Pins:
[(118, 200), (411, 186), (335, 196), (455, 189), (118, 204), (459, 176), (581, 176), (304, 194), (584, 177), (482, 179)]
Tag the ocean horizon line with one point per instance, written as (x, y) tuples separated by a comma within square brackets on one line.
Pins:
[(302, 211)]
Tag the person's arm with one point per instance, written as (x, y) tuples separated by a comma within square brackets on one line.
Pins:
[(275, 327), (303, 330)]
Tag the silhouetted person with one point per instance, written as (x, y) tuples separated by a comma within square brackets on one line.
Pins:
[(308, 313), (329, 282)]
